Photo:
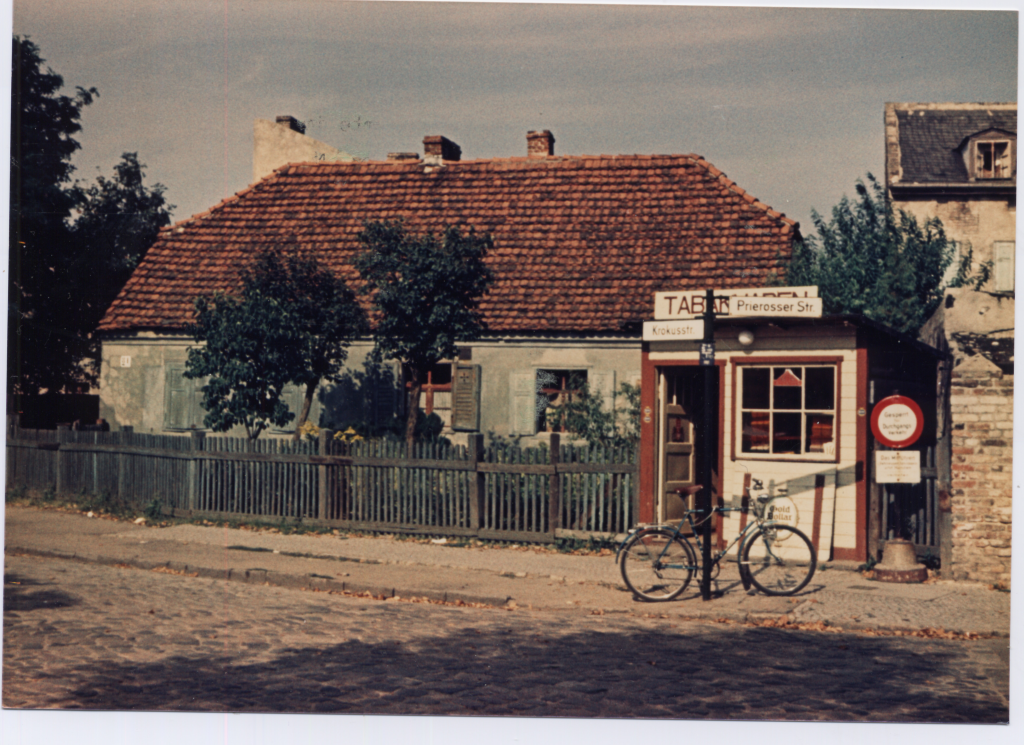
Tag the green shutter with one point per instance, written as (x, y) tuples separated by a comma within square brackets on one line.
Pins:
[(523, 402), (466, 398), (603, 383), (178, 396)]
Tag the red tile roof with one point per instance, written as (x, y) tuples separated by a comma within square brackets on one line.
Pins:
[(580, 242)]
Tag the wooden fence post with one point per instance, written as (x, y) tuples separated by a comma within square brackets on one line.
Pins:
[(477, 482), (195, 470), (324, 484), (62, 429), (555, 489), (122, 462)]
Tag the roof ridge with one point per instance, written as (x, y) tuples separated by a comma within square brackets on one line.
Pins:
[(743, 193)]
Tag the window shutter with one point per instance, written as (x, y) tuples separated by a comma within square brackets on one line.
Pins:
[(387, 383), (178, 396), (196, 412), (522, 402), (292, 398), (603, 383), (1003, 280), (466, 398)]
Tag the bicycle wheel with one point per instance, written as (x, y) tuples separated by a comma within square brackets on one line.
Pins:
[(779, 560), (657, 565)]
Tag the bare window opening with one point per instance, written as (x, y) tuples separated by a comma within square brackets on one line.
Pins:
[(554, 388), (993, 160), (436, 393)]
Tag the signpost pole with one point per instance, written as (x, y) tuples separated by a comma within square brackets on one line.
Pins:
[(708, 451)]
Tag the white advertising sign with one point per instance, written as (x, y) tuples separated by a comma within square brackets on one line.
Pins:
[(673, 330), (690, 303), (783, 510), (777, 307), (897, 466)]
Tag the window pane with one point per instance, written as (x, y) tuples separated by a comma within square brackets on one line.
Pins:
[(677, 467), (819, 434), (821, 388), (788, 387), (755, 388), (786, 433), (755, 431)]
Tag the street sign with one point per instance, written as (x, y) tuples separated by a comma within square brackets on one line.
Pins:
[(674, 330), (691, 303), (897, 421), (776, 307), (897, 466), (707, 354)]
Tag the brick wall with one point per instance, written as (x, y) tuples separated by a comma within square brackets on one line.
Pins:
[(981, 412)]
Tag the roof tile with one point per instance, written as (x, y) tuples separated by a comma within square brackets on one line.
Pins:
[(580, 243)]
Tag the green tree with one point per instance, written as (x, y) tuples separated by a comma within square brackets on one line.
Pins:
[(426, 293), (585, 415), (292, 322), (43, 350), (326, 316), (876, 261), (72, 247), (119, 219)]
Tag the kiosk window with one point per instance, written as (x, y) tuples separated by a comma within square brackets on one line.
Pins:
[(788, 410)]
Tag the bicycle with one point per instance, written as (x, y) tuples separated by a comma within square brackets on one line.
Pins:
[(657, 562)]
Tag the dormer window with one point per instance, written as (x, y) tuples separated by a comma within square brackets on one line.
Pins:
[(991, 155), (992, 159)]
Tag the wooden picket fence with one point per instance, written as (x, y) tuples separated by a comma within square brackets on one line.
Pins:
[(501, 493)]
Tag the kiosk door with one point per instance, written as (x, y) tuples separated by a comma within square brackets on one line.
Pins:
[(679, 417)]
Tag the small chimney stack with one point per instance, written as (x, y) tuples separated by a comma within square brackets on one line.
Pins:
[(437, 148), (292, 123), (540, 144)]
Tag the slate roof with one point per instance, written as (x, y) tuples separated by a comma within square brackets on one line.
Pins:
[(581, 243), (930, 138)]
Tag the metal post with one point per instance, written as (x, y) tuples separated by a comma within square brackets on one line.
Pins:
[(707, 361)]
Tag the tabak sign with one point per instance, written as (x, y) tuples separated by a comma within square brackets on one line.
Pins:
[(897, 421), (670, 306)]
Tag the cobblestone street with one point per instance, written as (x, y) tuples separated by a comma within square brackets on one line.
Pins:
[(85, 636)]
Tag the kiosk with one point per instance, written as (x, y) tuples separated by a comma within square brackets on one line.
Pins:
[(792, 404)]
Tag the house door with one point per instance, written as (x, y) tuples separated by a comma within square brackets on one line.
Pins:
[(679, 446)]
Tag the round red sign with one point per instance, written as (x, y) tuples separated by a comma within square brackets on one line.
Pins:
[(897, 421)]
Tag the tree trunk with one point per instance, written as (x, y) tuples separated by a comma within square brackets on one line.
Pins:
[(307, 404), (416, 385)]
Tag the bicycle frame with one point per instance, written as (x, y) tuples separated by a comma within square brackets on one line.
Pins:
[(757, 523)]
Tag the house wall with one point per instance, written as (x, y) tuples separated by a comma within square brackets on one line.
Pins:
[(136, 395), (980, 222), (841, 524), (981, 408)]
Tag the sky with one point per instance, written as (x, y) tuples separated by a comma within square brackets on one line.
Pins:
[(787, 102)]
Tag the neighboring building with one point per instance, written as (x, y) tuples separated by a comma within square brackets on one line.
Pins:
[(278, 143), (581, 243), (958, 162)]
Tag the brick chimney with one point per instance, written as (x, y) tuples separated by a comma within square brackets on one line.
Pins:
[(540, 144), (437, 148), (292, 123)]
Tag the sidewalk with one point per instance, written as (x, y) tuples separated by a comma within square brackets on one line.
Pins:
[(503, 577)]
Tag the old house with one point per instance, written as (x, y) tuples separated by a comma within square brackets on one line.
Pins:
[(958, 162), (581, 243)]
